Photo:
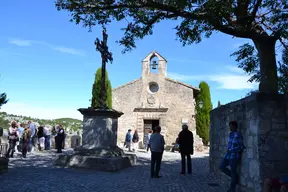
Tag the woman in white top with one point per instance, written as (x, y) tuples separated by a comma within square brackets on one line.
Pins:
[(13, 138)]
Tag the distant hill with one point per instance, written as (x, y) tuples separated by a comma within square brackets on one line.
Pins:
[(70, 125)]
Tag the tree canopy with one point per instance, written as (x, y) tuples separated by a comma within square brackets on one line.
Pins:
[(248, 60), (3, 99), (263, 21)]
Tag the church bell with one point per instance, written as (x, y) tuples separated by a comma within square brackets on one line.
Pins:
[(154, 65)]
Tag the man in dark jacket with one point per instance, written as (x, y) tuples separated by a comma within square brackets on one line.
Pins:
[(185, 141)]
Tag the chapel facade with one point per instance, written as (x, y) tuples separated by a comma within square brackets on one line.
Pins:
[(154, 99)]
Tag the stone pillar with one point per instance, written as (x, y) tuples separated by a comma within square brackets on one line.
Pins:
[(99, 148), (99, 129)]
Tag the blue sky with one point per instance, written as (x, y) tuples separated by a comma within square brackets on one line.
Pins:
[(48, 63)]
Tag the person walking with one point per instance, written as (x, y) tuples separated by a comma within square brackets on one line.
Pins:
[(41, 138), (13, 138), (59, 139), (33, 134), (186, 141), (128, 140), (147, 138), (156, 144), (135, 140), (47, 134), (25, 141), (20, 133)]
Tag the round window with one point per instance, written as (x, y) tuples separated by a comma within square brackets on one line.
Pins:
[(153, 87)]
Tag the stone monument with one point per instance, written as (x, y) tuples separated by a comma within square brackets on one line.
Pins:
[(3, 149), (99, 150)]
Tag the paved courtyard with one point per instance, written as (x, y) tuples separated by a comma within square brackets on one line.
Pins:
[(36, 174)]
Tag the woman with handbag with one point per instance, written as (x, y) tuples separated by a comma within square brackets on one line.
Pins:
[(25, 141), (13, 138)]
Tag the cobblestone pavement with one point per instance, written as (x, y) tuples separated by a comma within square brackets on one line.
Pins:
[(36, 174)]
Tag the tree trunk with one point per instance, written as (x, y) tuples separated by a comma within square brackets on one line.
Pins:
[(268, 68)]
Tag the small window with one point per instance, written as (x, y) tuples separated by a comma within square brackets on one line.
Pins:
[(153, 87)]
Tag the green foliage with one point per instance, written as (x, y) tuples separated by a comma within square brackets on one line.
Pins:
[(259, 20), (73, 124), (96, 90), (248, 60), (203, 114), (3, 99), (198, 18), (4, 123)]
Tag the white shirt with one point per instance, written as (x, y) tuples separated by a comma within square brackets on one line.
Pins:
[(47, 131)]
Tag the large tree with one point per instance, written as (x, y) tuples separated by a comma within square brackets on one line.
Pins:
[(96, 90), (3, 99), (262, 21), (203, 113), (248, 59)]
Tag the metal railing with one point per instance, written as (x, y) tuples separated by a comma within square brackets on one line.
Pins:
[(3, 149)]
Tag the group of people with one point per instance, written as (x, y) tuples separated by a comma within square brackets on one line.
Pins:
[(155, 142), (131, 141), (25, 137), (186, 148)]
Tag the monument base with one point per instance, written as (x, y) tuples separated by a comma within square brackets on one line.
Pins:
[(100, 159)]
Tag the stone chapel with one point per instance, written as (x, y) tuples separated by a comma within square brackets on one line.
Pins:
[(154, 99)]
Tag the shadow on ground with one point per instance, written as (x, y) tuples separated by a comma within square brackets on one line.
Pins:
[(37, 170)]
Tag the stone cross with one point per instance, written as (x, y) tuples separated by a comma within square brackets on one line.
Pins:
[(106, 56)]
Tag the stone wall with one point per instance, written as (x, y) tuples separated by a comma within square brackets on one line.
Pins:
[(263, 123)]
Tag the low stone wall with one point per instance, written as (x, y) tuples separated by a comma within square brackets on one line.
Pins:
[(71, 141), (263, 124)]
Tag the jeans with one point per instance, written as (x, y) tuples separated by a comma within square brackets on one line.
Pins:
[(31, 144), (183, 163), (232, 172), (47, 142), (156, 158)]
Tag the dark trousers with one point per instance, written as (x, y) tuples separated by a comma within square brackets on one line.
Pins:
[(25, 145), (156, 158), (11, 149), (232, 172), (47, 142), (19, 147), (59, 143), (183, 163)]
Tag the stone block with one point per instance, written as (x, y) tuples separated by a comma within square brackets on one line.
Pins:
[(109, 164), (250, 141), (4, 164), (250, 153)]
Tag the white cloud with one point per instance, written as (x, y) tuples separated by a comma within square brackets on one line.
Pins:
[(234, 78), (40, 112), (69, 50), (21, 42)]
